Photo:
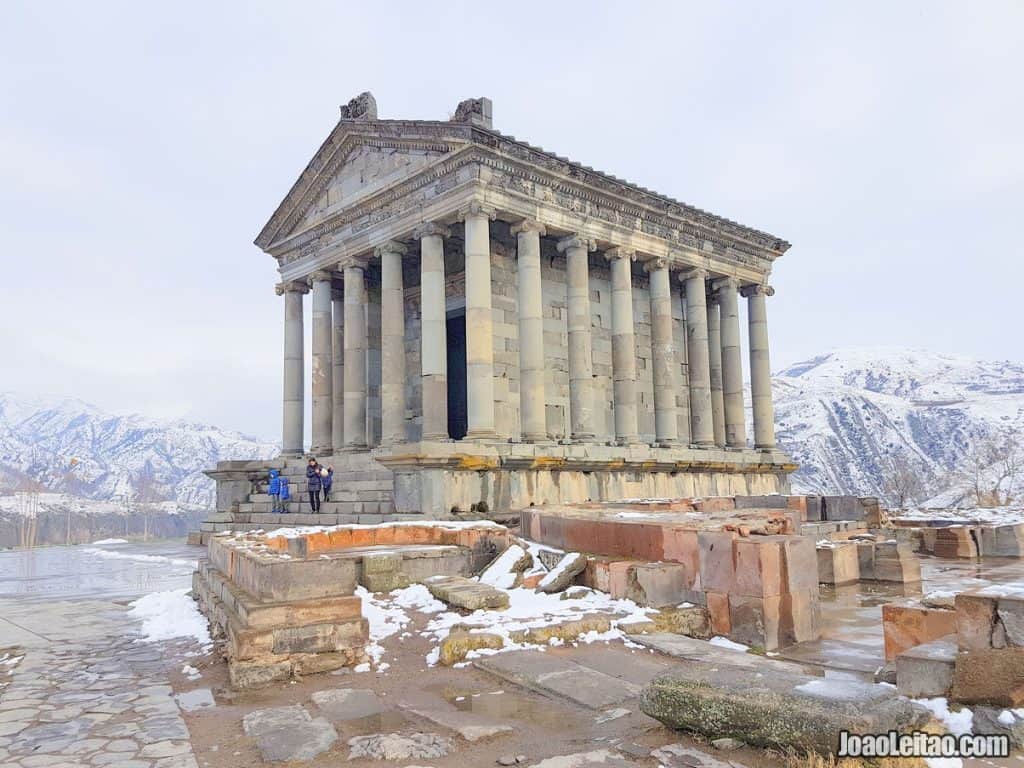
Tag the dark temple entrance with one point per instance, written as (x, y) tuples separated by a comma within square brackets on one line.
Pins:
[(458, 416)]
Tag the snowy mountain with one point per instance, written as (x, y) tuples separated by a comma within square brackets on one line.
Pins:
[(71, 446), (846, 415)]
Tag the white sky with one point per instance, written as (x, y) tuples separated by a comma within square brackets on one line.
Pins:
[(143, 147)]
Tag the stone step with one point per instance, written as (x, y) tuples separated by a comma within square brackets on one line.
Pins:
[(690, 649), (927, 669), (461, 592)]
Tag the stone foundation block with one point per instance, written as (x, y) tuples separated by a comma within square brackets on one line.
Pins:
[(760, 568), (926, 670), (991, 617), (717, 563), (955, 541), (462, 593), (896, 562), (774, 622), (842, 508), (838, 564), (774, 501), (994, 677), (657, 585), (718, 613), (814, 510), (908, 624)]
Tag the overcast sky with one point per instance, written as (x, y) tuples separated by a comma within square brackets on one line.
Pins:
[(142, 148)]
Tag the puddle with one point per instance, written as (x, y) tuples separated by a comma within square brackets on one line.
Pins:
[(851, 616), (500, 704), (383, 722)]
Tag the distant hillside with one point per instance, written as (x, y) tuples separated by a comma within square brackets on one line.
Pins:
[(844, 414), (71, 446)]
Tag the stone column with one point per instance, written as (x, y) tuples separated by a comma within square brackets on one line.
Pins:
[(581, 356), (532, 419), (433, 332), (623, 346), (701, 425), (715, 368), (479, 323), (732, 365), (294, 375), (760, 366), (392, 343), (323, 364), (663, 353), (338, 379), (355, 357), (682, 401)]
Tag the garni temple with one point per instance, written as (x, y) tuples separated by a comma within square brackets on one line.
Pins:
[(496, 327)]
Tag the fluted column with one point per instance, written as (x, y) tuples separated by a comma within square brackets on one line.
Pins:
[(355, 357), (701, 425), (323, 365), (760, 366), (683, 398), (533, 423), (663, 353), (293, 406), (479, 323), (392, 343), (732, 364), (715, 368), (623, 346), (433, 332), (581, 356), (338, 379)]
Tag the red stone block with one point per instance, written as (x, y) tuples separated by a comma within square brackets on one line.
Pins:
[(975, 620), (956, 541), (717, 563), (908, 624), (716, 504), (683, 546), (994, 677), (759, 567), (718, 612), (619, 578)]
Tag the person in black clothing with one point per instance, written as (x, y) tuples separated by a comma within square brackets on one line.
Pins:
[(313, 484)]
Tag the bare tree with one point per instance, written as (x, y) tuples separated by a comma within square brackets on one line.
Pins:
[(992, 469), (902, 483)]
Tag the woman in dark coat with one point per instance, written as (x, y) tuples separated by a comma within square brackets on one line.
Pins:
[(313, 484)]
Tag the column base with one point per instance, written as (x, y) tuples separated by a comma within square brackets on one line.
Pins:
[(323, 450), (481, 434), (666, 444), (439, 438), (770, 447), (582, 437), (536, 439), (625, 442)]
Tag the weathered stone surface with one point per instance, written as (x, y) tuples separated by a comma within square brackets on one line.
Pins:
[(288, 733), (382, 572), (994, 676), (461, 592), (506, 570), (657, 585), (682, 756), (459, 643), (907, 623), (468, 725), (895, 561), (691, 621), (1000, 721), (343, 704), (955, 541), (397, 746), (927, 669), (841, 508), (838, 563), (562, 575), (566, 631), (777, 710)]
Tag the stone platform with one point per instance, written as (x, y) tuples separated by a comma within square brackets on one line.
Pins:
[(758, 580), (285, 602)]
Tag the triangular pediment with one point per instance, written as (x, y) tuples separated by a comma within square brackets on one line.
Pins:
[(354, 164)]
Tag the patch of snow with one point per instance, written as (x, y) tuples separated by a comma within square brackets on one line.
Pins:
[(725, 642), (110, 541), (568, 559), (418, 598), (170, 615), (1007, 718), (957, 723), (499, 573)]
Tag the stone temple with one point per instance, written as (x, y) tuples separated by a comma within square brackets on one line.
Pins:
[(495, 326)]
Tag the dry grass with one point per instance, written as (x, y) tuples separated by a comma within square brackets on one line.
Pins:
[(795, 760)]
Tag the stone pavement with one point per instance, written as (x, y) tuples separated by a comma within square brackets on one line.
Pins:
[(86, 693)]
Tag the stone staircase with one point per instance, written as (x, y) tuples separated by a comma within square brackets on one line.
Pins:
[(362, 493)]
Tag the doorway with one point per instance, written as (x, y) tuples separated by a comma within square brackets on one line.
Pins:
[(458, 414)]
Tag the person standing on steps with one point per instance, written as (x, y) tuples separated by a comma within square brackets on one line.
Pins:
[(327, 480), (285, 495), (313, 484), (274, 490)]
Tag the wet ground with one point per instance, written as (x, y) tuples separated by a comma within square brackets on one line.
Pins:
[(86, 693), (851, 617)]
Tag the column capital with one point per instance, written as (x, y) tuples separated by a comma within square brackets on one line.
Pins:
[(689, 274), (576, 241), (321, 276), (429, 228), (477, 208), (725, 282), (757, 290), (613, 254), (653, 265), (353, 263), (529, 225), (391, 246), (292, 286)]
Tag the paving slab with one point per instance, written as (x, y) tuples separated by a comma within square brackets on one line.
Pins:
[(468, 725), (605, 758), (682, 756), (692, 649), (560, 677), (344, 704), (398, 746)]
